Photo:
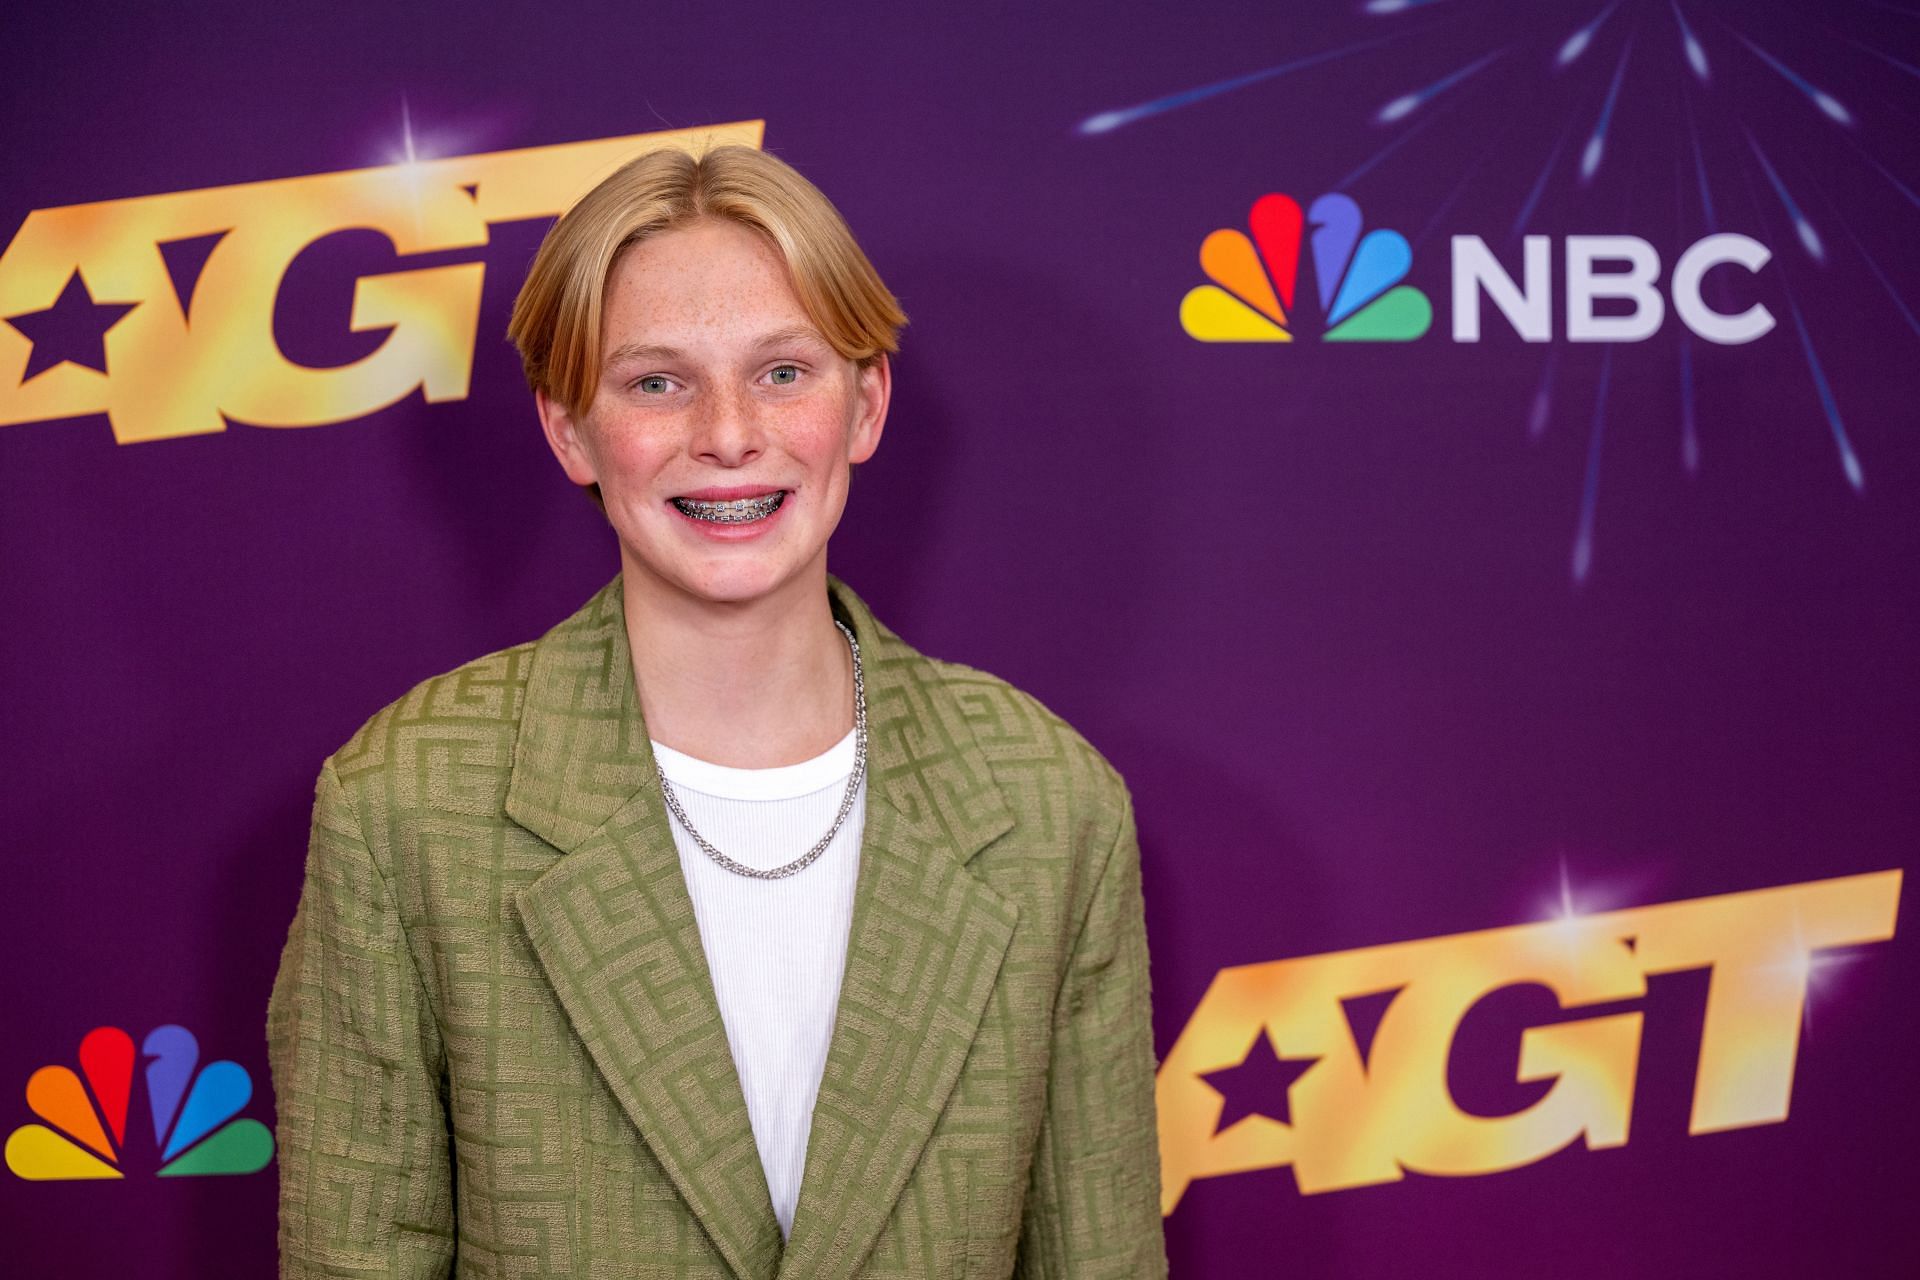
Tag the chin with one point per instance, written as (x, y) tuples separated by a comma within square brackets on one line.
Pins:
[(729, 583), (733, 588), (736, 574)]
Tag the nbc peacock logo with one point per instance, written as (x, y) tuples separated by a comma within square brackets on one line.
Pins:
[(193, 1113), (1357, 276)]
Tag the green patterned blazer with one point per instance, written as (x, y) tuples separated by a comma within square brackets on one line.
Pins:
[(495, 1041)]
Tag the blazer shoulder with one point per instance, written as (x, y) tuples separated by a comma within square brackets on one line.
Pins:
[(1019, 735), (472, 711)]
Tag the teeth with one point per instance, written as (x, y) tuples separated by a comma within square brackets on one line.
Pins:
[(738, 511)]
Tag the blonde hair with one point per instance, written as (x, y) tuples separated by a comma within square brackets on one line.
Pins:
[(556, 318)]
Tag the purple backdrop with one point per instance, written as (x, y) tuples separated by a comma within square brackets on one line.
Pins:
[(1393, 640)]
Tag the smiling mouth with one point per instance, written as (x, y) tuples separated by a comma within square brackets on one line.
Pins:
[(737, 511)]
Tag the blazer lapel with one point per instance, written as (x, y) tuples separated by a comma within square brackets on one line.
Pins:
[(926, 944), (613, 926)]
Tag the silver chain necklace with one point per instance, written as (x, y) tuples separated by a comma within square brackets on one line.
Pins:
[(846, 801)]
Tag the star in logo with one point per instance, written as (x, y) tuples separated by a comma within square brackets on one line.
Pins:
[(1258, 1085), (73, 329)]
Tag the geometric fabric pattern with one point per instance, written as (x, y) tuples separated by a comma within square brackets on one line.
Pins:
[(495, 1041)]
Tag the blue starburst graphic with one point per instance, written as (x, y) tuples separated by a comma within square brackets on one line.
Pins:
[(1741, 99)]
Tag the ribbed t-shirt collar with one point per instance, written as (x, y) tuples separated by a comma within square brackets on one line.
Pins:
[(783, 782)]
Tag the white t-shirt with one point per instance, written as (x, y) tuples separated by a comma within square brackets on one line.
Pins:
[(776, 948)]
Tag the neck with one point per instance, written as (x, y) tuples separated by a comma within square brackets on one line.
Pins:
[(752, 686)]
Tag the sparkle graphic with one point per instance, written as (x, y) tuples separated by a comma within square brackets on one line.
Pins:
[(1374, 160), (1445, 207), (1108, 121), (1690, 45), (1700, 173), (407, 157), (1539, 185), (1542, 410), (1405, 105), (1883, 171), (1806, 970), (407, 168), (406, 130), (1597, 142), (1829, 106), (1880, 275), (1572, 907), (1809, 238), (1590, 488), (1689, 432), (1567, 909), (1580, 41), (1888, 58), (1575, 899), (1849, 460), (1597, 94), (1567, 917)]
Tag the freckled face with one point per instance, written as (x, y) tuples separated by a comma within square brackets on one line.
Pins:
[(724, 425)]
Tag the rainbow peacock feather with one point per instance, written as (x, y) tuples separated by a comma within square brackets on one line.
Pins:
[(193, 1114), (1253, 276)]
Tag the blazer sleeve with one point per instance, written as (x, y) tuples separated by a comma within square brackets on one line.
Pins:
[(1093, 1208), (357, 1061)]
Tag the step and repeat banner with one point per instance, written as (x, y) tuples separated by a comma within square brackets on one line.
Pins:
[(1459, 460)]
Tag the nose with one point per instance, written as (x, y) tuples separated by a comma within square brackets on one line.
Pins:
[(727, 429)]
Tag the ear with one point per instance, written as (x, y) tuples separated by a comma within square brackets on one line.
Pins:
[(564, 438), (872, 393)]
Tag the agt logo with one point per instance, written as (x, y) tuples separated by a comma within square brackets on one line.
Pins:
[(1357, 283), (158, 310), (86, 1113), (1355, 1110)]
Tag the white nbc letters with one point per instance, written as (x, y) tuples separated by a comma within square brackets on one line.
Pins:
[(1694, 264), (1530, 312), (1635, 285), (1529, 307)]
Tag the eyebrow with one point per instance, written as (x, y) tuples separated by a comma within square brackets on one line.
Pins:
[(628, 351), (781, 337), (639, 351)]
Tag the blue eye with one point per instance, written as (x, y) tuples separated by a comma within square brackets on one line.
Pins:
[(653, 384), (783, 375)]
